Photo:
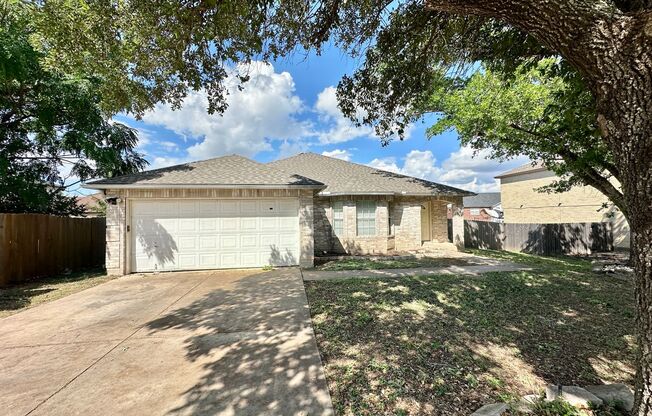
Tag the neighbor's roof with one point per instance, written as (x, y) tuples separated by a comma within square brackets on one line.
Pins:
[(347, 178), (484, 200), (90, 202), (523, 169), (228, 171)]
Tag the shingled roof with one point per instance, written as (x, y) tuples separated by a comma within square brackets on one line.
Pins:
[(483, 200), (226, 171), (527, 168), (347, 178)]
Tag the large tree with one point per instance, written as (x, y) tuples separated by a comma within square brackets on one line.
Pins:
[(146, 51), (51, 123), (541, 110)]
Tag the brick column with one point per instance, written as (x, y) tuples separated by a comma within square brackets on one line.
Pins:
[(458, 223), (307, 231), (115, 238)]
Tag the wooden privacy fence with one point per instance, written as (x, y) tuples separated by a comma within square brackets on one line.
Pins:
[(33, 245), (544, 239)]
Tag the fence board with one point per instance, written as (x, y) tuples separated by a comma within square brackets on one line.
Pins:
[(544, 239), (34, 245)]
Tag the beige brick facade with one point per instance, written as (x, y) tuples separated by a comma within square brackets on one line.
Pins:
[(523, 204), (118, 218), (397, 221)]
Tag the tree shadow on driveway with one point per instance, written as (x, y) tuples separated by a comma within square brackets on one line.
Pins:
[(256, 345)]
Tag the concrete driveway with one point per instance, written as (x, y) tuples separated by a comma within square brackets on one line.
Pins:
[(204, 343)]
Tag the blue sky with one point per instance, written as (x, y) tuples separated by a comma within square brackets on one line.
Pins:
[(290, 107)]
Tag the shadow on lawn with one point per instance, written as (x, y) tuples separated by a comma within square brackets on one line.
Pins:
[(255, 345), (21, 295), (448, 344)]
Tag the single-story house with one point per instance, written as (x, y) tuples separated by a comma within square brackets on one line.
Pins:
[(484, 206), (233, 212), (522, 203)]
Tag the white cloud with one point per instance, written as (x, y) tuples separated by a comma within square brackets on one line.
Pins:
[(292, 147), (340, 129), (339, 154), (165, 161), (461, 169), (387, 163), (264, 110)]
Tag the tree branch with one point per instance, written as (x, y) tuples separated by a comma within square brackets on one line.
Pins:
[(588, 174), (569, 27)]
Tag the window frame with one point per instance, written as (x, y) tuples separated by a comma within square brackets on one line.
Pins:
[(337, 208), (365, 218)]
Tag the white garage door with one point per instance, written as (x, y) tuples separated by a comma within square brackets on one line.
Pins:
[(214, 234)]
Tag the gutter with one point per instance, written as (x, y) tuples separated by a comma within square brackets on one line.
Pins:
[(199, 186)]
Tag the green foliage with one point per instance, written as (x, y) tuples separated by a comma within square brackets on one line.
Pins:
[(541, 110), (47, 120), (555, 408), (527, 100)]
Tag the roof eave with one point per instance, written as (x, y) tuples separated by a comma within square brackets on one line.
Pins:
[(431, 194), (199, 186), (508, 174)]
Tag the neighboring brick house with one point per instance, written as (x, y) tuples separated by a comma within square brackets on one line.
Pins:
[(483, 207), (233, 212), (521, 202)]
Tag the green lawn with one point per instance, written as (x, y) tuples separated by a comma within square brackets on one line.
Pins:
[(446, 345), (390, 263), (17, 298)]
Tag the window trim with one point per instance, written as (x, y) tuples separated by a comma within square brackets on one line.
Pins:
[(365, 220), (341, 220)]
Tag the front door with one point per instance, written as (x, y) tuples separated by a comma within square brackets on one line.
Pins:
[(425, 222)]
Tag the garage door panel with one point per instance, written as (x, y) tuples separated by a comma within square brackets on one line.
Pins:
[(186, 243), (248, 224), (208, 209), (208, 242), (287, 223), (187, 261), (208, 225), (287, 241), (249, 208), (229, 242), (229, 208), (188, 225), (229, 224), (229, 260), (209, 234), (248, 242), (268, 223), (188, 209)]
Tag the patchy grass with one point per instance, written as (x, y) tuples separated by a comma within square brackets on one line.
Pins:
[(17, 298), (567, 263), (390, 263), (446, 345)]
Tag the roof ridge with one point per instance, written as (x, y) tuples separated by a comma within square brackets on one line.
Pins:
[(368, 168)]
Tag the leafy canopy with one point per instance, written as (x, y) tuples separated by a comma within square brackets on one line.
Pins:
[(49, 122), (149, 51), (541, 110)]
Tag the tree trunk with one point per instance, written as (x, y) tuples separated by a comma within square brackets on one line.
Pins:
[(624, 102), (643, 265)]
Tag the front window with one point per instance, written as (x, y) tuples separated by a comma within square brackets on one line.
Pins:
[(365, 218), (338, 218), (475, 211)]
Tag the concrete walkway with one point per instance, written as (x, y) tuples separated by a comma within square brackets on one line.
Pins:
[(485, 266), (214, 343)]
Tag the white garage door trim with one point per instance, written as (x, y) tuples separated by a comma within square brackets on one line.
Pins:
[(204, 234)]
